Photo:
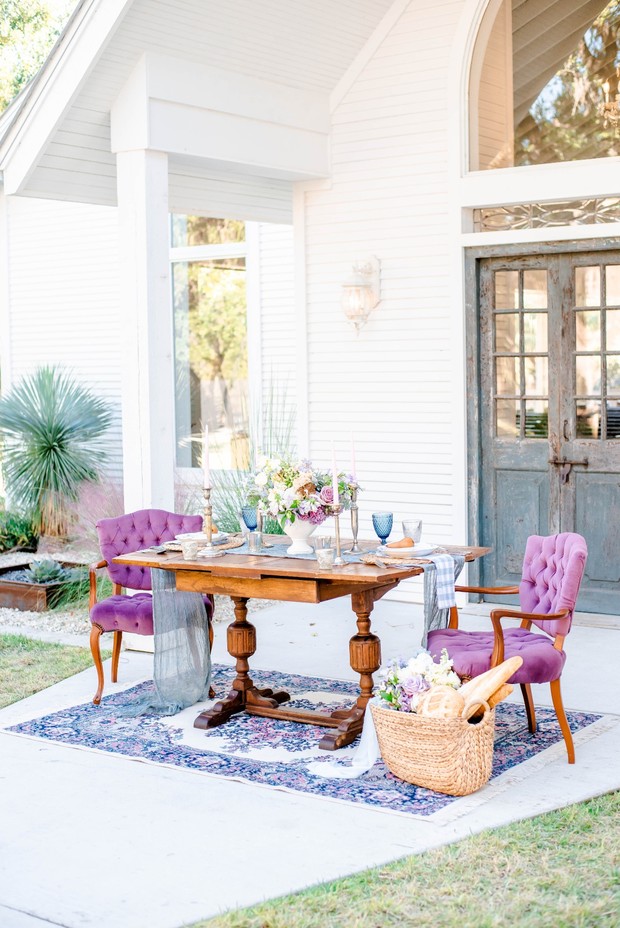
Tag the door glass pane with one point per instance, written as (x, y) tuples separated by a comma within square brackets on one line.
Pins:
[(507, 376), (506, 289), (612, 276), (588, 286), (534, 289), (588, 418), (536, 376), (588, 330), (613, 374), (507, 418), (535, 332), (613, 419), (536, 419), (507, 332), (588, 375), (613, 329)]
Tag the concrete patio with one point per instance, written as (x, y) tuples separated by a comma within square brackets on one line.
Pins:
[(95, 839)]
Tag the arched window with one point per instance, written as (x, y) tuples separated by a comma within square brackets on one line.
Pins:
[(542, 71)]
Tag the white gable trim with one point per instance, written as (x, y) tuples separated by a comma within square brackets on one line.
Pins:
[(365, 55), (57, 85)]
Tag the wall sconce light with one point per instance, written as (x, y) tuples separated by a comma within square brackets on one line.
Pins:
[(362, 292)]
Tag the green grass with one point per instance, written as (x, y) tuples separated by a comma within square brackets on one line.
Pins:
[(560, 870), (27, 666)]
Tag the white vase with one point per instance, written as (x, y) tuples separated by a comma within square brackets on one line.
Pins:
[(299, 531)]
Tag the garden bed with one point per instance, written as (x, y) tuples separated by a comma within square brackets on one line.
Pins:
[(18, 592)]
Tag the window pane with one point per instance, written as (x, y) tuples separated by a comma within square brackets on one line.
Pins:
[(535, 289), (507, 332), (536, 376), (507, 376), (199, 230), (588, 376), (613, 374), (535, 332), (613, 419), (588, 330), (506, 289), (613, 329), (588, 418), (587, 286), (211, 361), (612, 277), (507, 418), (536, 419)]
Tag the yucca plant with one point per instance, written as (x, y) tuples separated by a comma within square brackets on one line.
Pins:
[(51, 428)]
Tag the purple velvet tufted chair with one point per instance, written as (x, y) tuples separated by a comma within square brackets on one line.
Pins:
[(122, 613), (553, 567)]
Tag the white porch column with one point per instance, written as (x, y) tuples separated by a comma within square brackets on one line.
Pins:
[(146, 334)]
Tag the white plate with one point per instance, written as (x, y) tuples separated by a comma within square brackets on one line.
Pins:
[(200, 536), (419, 550)]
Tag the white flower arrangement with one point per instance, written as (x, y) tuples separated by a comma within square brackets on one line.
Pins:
[(402, 685)]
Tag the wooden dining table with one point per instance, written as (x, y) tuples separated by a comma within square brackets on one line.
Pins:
[(244, 577)]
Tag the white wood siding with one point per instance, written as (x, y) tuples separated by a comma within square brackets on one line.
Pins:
[(392, 386), (64, 298)]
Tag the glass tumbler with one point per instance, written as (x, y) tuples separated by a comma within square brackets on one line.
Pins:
[(382, 523), (412, 528), (325, 558)]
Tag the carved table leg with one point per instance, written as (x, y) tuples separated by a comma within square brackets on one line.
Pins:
[(241, 639), (365, 658)]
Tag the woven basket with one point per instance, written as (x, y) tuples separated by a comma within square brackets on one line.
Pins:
[(450, 756)]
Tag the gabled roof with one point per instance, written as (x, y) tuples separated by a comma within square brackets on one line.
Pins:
[(55, 141)]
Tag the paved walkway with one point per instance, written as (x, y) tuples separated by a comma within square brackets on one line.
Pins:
[(91, 839)]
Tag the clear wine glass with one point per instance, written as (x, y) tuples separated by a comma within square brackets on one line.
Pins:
[(382, 523), (250, 517)]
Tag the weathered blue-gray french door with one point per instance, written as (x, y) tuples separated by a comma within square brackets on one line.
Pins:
[(546, 419)]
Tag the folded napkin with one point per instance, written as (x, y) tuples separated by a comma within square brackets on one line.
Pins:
[(439, 594)]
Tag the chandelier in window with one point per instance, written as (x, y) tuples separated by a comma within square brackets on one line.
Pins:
[(610, 109)]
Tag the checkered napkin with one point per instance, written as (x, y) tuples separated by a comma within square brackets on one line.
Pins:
[(444, 564)]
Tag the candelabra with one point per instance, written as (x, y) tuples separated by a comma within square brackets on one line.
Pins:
[(355, 548), (335, 512)]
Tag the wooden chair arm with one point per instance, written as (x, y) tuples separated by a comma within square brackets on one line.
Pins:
[(501, 590), (498, 614), (92, 577)]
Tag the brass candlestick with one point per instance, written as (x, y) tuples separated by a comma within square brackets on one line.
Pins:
[(207, 524), (355, 548), (335, 512)]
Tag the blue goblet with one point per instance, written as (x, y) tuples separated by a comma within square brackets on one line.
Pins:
[(382, 523), (250, 517)]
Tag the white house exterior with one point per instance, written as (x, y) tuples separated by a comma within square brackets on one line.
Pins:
[(350, 122)]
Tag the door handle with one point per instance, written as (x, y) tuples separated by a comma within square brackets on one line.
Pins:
[(565, 466)]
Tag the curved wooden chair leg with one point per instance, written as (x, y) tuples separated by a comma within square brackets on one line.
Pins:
[(95, 635), (116, 653), (556, 696), (526, 691)]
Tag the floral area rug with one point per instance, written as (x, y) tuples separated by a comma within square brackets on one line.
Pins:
[(275, 753)]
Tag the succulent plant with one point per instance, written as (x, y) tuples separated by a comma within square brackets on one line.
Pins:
[(47, 570)]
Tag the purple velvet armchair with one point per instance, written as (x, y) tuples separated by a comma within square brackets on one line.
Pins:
[(553, 568), (122, 613)]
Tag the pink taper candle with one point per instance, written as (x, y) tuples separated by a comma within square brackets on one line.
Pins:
[(334, 477), (205, 459), (352, 455)]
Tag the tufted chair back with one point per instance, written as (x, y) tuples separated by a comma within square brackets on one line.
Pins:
[(552, 570), (135, 531)]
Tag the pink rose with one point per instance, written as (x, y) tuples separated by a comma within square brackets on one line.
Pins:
[(327, 495)]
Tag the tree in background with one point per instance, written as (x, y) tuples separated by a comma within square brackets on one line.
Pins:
[(28, 30)]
